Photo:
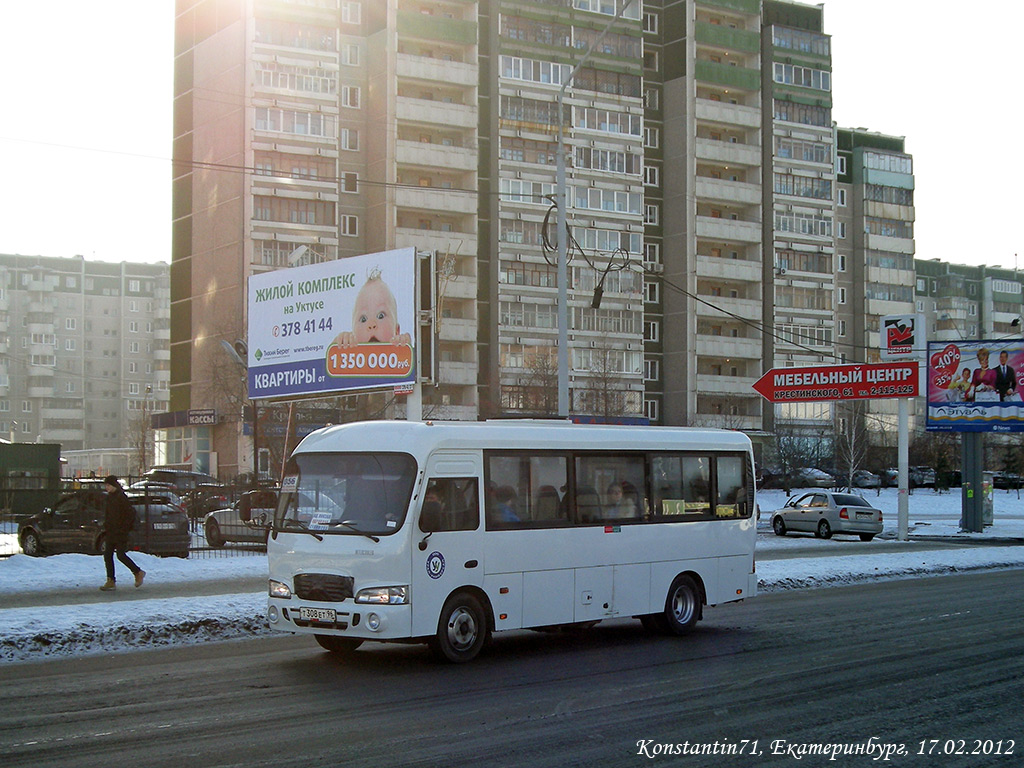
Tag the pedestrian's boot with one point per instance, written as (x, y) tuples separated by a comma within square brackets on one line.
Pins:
[(139, 576), (108, 586)]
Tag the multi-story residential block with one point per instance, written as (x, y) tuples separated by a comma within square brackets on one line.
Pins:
[(703, 197), (84, 355), (875, 271), (710, 108), (800, 193), (962, 302)]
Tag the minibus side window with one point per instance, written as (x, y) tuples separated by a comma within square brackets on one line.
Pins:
[(450, 504)]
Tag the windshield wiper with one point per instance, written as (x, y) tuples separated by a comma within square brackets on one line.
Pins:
[(301, 528), (353, 527)]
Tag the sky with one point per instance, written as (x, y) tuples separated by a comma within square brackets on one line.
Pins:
[(130, 618), (88, 89)]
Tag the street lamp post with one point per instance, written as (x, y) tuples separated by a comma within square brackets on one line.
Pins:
[(561, 199)]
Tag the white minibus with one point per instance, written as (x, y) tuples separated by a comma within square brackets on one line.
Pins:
[(447, 532)]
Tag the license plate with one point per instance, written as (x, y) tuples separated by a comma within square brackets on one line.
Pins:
[(865, 516), (325, 615), (164, 526)]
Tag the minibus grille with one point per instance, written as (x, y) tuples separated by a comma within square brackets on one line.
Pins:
[(323, 587)]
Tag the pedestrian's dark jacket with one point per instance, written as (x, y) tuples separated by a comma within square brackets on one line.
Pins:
[(119, 518)]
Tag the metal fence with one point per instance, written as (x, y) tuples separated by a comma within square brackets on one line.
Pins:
[(230, 538)]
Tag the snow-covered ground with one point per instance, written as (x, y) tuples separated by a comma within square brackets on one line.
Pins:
[(115, 623)]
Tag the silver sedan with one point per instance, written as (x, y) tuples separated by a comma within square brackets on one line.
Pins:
[(824, 513)]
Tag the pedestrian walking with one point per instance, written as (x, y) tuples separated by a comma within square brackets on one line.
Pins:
[(117, 525)]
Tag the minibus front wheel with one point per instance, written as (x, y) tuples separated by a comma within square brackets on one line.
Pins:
[(462, 629)]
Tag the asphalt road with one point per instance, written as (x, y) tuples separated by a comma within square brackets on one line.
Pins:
[(899, 662)]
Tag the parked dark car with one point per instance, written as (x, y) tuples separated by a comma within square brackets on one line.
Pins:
[(183, 480), (1007, 480), (206, 498), (75, 524)]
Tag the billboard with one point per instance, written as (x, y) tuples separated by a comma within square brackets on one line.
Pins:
[(330, 328), (975, 386), (820, 383)]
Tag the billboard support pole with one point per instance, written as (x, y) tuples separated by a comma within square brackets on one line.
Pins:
[(414, 403), (972, 449), (903, 468)]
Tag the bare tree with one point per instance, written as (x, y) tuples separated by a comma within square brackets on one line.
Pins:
[(852, 440)]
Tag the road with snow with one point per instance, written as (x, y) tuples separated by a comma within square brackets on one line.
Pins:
[(865, 666)]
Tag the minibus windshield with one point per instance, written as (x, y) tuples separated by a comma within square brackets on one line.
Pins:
[(346, 493)]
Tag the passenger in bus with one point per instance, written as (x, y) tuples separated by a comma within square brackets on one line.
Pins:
[(618, 504), (432, 513), (504, 508)]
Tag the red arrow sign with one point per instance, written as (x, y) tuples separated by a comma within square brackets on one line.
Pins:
[(867, 381)]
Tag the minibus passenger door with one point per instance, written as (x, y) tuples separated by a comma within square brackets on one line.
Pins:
[(448, 548)]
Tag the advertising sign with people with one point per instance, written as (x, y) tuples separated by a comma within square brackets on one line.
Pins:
[(334, 327), (976, 386)]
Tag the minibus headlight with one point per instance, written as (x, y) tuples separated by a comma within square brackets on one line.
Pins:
[(384, 595), (280, 589)]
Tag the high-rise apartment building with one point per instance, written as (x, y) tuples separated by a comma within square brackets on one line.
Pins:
[(875, 271), (84, 352), (700, 176), (799, 192)]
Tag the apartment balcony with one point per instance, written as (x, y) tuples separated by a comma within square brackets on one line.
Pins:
[(727, 191), (734, 386), (162, 354), (728, 269), (728, 114), (439, 113), (464, 374), (886, 243), (461, 287), (434, 240), (40, 391), (435, 200), (728, 230), (728, 346), (748, 309), (728, 153), (163, 334), (746, 423), (437, 70), (435, 156), (300, 189), (457, 329), (62, 413)]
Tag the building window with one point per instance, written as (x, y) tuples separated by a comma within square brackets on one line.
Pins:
[(652, 137), (652, 292), (842, 295), (351, 12), (350, 55), (652, 330), (651, 409), (651, 23), (652, 253), (651, 99), (350, 96), (349, 225), (652, 370), (842, 327), (133, 388), (652, 214), (349, 139), (842, 230), (133, 347), (842, 262), (841, 197), (349, 181), (841, 165), (651, 176), (70, 324)]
